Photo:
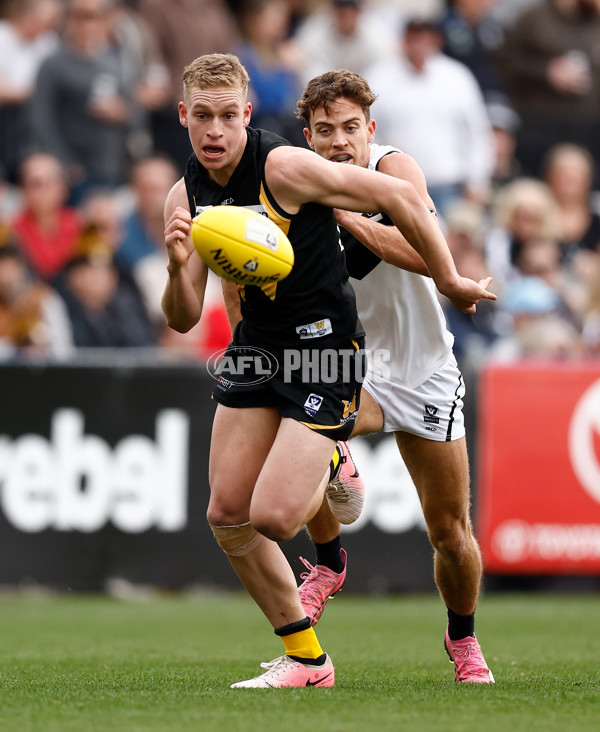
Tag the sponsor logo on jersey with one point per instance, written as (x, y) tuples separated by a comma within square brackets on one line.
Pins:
[(315, 330), (350, 410), (431, 414), (313, 404)]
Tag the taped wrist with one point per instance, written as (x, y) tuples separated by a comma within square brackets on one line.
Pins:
[(236, 540)]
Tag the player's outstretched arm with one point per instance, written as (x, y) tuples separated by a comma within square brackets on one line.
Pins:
[(183, 297), (384, 241), (296, 176)]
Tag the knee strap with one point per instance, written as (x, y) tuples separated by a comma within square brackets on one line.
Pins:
[(236, 540)]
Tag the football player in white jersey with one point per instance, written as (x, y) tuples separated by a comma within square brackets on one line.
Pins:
[(416, 394)]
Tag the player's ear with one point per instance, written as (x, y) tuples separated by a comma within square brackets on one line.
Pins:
[(309, 138), (183, 115), (247, 113), (371, 127)]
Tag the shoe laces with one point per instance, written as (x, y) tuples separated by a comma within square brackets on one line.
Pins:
[(314, 581), (470, 657), (278, 665)]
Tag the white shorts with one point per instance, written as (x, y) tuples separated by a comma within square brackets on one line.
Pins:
[(433, 410)]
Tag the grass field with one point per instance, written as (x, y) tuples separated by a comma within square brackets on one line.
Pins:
[(165, 663)]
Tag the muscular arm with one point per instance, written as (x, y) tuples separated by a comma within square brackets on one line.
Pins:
[(387, 242), (296, 176), (183, 297)]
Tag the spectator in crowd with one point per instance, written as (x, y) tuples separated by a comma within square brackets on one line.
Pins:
[(465, 227), (537, 328), (591, 316), (27, 37), (523, 211), (184, 29), (551, 59), (102, 211), (272, 64), (437, 115), (505, 124), (83, 108), (152, 81), (472, 35), (105, 310), (33, 318), (46, 228), (569, 173), (343, 34), (141, 252)]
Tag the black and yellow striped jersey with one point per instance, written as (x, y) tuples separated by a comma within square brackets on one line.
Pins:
[(317, 289)]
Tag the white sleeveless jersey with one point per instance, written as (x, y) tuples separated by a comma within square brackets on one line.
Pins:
[(400, 313)]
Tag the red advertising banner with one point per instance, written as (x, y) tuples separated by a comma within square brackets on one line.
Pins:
[(538, 508)]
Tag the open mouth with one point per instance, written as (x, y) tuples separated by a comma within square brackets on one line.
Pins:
[(341, 158), (213, 151)]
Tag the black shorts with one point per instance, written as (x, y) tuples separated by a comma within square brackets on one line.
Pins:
[(317, 384)]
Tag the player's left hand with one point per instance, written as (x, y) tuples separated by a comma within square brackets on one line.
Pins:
[(465, 293)]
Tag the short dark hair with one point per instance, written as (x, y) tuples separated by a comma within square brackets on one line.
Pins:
[(330, 86)]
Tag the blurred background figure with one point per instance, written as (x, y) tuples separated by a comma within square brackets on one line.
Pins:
[(45, 228), (104, 212), (551, 60), (591, 316), (430, 106), (505, 125), (27, 37), (272, 63), (141, 251), (343, 34), (184, 29), (534, 324), (569, 173), (105, 310), (33, 319), (523, 211), (472, 35), (465, 226), (83, 108)]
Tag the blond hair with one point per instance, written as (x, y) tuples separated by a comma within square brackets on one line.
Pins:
[(329, 87), (215, 69), (528, 192)]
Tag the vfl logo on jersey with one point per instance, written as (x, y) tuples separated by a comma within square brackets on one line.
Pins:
[(313, 404), (315, 330), (430, 414), (227, 202)]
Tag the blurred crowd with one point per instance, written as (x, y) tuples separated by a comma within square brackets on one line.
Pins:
[(497, 100)]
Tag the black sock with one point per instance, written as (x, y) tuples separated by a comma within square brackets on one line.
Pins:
[(460, 626), (329, 555), (311, 661)]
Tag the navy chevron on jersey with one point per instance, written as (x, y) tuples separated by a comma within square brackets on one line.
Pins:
[(317, 289)]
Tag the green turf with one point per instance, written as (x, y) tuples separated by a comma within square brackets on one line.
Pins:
[(165, 663)]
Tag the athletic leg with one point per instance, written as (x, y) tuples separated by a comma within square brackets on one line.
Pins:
[(440, 471)]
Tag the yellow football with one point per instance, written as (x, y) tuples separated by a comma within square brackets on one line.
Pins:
[(242, 245)]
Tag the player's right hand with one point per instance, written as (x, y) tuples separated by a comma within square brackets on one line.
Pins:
[(177, 237), (466, 293)]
